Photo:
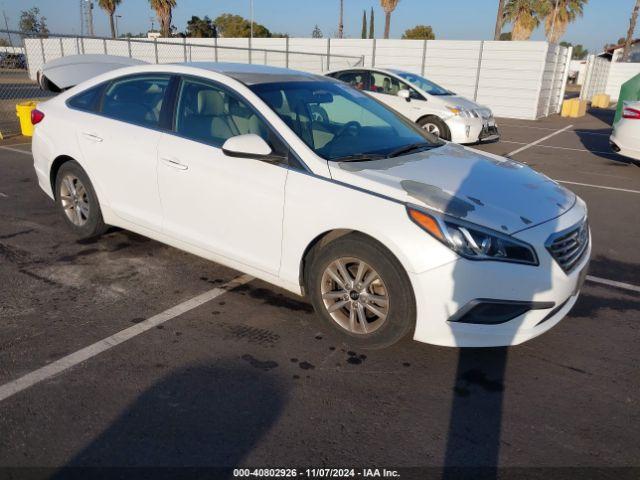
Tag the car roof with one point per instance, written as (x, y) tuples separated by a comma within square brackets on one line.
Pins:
[(251, 74)]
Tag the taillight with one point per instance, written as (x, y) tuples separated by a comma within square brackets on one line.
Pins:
[(632, 113), (36, 116)]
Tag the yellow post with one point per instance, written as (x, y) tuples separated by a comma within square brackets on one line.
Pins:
[(23, 111)]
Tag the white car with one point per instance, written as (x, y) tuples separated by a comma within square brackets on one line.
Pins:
[(434, 108), (313, 186), (625, 138)]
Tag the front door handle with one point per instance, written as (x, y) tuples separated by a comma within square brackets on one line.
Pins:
[(91, 136), (174, 163)]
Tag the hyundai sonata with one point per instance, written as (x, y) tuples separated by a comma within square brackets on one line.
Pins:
[(314, 186)]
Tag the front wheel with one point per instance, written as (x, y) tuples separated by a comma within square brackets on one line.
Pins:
[(435, 126), (361, 292), (77, 201)]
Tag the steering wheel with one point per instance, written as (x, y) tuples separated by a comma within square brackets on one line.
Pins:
[(352, 127)]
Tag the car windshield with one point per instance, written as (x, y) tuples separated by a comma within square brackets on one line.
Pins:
[(424, 84), (340, 123)]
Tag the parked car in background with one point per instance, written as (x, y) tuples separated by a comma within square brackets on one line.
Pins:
[(434, 108), (625, 138), (13, 60), (311, 185)]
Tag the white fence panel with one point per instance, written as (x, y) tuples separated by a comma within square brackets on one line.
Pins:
[(619, 73), (515, 79), (595, 77)]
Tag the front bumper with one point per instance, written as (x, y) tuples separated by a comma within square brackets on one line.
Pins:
[(443, 293), (472, 130)]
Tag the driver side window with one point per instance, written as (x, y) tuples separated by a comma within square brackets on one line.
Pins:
[(210, 114)]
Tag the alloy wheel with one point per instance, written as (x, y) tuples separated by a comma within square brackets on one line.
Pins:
[(75, 200), (355, 295), (432, 128)]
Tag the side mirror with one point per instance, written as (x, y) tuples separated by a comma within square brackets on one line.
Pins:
[(249, 145), (404, 94)]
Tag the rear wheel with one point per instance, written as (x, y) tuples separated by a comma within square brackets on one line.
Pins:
[(77, 201), (362, 292), (435, 126)]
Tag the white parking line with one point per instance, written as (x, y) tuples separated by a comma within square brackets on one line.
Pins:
[(584, 132), (26, 152), (613, 283), (565, 148), (540, 140), (627, 190), (59, 366)]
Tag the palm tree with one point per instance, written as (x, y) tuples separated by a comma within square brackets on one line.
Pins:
[(109, 6), (163, 9), (632, 27), (499, 20), (524, 15), (558, 15), (388, 6)]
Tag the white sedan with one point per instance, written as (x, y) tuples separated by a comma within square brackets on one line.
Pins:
[(434, 108), (313, 186), (625, 138)]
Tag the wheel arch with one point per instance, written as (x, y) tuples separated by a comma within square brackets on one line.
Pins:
[(55, 168), (433, 115), (327, 237)]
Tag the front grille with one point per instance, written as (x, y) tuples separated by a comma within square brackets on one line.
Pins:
[(569, 246)]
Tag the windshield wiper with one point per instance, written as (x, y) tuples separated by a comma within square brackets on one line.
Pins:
[(410, 148), (359, 157)]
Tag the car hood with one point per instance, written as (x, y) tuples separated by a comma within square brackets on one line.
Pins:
[(457, 101), (482, 188)]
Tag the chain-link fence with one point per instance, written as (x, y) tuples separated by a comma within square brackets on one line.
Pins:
[(18, 68)]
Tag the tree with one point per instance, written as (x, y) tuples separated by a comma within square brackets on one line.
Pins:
[(524, 15), (499, 20), (388, 6), (32, 22), (505, 36), (632, 26), (419, 32), (340, 20), (579, 52), (200, 28), (364, 24), (558, 14), (317, 33), (371, 25), (109, 6), (164, 11), (235, 26)]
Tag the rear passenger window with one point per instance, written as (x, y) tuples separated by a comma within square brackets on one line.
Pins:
[(86, 100), (212, 115), (136, 99)]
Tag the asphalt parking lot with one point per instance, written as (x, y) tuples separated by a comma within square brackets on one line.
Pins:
[(248, 375)]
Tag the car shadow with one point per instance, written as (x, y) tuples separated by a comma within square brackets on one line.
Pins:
[(476, 416), (204, 417), (596, 140)]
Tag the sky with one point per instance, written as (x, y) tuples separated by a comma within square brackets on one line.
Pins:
[(604, 21)]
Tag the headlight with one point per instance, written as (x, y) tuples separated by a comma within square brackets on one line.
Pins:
[(457, 110), (473, 241)]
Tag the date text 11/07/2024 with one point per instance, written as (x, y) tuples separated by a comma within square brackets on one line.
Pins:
[(315, 473)]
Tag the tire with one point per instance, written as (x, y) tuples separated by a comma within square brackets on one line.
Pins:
[(436, 126), (77, 201), (391, 283)]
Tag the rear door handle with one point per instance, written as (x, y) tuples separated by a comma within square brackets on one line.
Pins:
[(174, 163), (92, 137)]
